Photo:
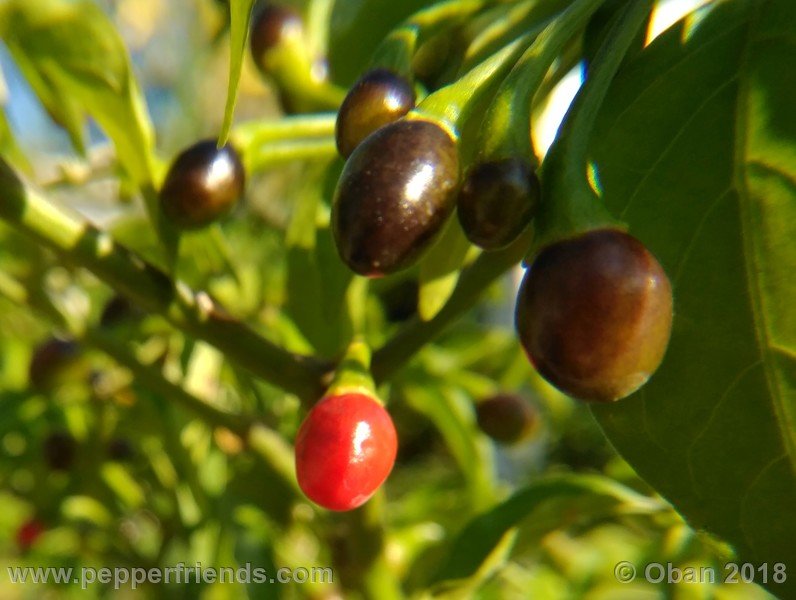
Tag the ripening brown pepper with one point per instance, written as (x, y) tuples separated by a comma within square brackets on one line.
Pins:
[(594, 314), (507, 418)]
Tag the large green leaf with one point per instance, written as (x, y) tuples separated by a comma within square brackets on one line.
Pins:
[(696, 149), (357, 27), (76, 62)]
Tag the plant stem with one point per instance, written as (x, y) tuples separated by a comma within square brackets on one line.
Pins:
[(367, 565), (507, 129), (110, 345), (398, 49), (510, 22), (269, 155), (77, 241), (155, 381), (353, 371), (221, 246), (487, 268), (266, 443), (284, 129), (454, 104), (569, 205)]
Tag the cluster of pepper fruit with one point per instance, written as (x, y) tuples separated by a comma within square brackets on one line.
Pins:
[(593, 313)]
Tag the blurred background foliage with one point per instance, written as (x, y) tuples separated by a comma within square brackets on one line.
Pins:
[(98, 467)]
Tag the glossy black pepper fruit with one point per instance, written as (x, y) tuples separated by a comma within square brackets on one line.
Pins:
[(120, 449), (118, 310), (49, 360), (271, 27), (394, 195), (59, 450), (378, 98), (497, 201), (507, 418), (594, 314), (203, 183)]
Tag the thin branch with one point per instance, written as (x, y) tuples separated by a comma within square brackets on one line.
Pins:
[(77, 241), (264, 442), (416, 333)]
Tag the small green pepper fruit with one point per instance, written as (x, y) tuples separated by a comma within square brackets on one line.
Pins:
[(594, 314)]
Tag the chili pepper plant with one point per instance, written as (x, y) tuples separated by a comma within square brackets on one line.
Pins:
[(326, 285)]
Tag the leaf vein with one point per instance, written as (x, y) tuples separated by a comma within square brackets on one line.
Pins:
[(747, 497), (677, 134), (709, 421), (666, 72), (678, 270), (753, 269)]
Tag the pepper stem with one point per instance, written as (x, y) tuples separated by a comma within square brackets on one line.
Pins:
[(570, 206), (353, 372), (506, 131), (398, 49), (454, 104)]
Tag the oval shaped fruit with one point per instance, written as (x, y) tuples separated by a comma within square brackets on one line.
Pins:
[(59, 450), (379, 97), (50, 360), (506, 418), (27, 534), (120, 449), (203, 183), (118, 310), (497, 201), (395, 192), (345, 449), (594, 314), (272, 26)]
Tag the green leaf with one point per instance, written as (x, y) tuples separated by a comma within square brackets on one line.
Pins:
[(86, 508), (240, 17), (123, 484), (484, 533), (316, 279), (440, 268), (76, 62), (452, 413), (9, 146), (8, 143), (696, 149), (357, 28)]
